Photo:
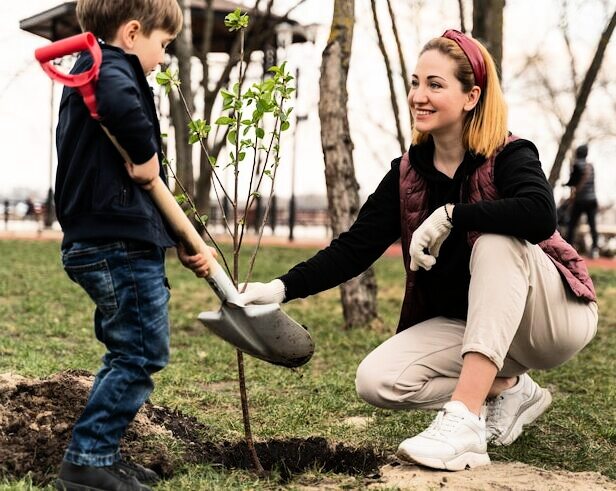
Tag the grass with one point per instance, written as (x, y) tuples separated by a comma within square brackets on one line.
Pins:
[(45, 327)]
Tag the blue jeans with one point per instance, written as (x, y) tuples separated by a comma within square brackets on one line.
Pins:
[(126, 281)]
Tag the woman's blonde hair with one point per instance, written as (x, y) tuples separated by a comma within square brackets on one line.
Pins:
[(103, 17), (485, 127)]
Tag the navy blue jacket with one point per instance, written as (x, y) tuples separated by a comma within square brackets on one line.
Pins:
[(95, 197)]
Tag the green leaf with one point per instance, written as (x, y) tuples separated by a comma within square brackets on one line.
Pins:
[(162, 78), (260, 132), (284, 126), (242, 155), (212, 160), (232, 137), (197, 130), (262, 105), (236, 20), (225, 120), (180, 198), (204, 218)]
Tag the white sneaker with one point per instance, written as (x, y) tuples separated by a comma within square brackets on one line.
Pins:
[(509, 412), (455, 440)]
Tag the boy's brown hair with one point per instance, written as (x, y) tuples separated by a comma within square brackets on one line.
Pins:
[(104, 17)]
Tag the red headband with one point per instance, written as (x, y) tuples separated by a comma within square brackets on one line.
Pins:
[(472, 53)]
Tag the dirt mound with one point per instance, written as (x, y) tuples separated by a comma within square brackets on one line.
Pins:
[(36, 417)]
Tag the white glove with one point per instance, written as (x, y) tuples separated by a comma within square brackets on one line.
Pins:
[(430, 235), (262, 293)]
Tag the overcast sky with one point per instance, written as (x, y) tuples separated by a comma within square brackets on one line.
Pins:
[(530, 26)]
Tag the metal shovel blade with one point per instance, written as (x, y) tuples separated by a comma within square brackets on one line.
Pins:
[(262, 331)]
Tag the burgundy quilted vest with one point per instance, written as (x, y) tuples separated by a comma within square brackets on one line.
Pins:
[(414, 210)]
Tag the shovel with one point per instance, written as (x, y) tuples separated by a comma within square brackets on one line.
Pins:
[(262, 331)]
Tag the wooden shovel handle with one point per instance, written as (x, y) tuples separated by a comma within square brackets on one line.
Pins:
[(186, 232)]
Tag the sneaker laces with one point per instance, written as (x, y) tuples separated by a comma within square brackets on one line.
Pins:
[(493, 411), (445, 422)]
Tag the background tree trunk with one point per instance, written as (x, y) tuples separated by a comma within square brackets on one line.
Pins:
[(390, 77), (581, 100), (183, 51), (488, 28), (203, 186), (462, 18), (359, 294)]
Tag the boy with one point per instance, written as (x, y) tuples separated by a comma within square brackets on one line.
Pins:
[(114, 237)]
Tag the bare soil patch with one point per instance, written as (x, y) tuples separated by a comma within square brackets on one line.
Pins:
[(36, 417)]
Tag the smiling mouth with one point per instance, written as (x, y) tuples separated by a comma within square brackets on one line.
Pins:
[(424, 112)]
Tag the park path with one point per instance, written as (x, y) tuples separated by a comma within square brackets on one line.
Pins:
[(300, 243)]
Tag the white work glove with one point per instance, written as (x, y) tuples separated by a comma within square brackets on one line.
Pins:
[(262, 293), (430, 235)]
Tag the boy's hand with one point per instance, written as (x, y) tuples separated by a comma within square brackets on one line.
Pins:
[(197, 263), (144, 174)]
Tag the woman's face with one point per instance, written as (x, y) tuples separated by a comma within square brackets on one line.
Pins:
[(438, 103)]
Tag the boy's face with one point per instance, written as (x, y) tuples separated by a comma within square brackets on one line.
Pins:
[(150, 49)]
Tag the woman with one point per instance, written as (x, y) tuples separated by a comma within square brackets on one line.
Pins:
[(491, 290)]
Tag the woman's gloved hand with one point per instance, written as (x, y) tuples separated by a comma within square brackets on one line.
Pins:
[(262, 293), (430, 235)]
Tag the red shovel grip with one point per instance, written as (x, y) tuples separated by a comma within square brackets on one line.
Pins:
[(85, 81), (73, 44)]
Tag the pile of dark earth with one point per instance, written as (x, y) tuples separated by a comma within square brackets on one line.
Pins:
[(36, 417)]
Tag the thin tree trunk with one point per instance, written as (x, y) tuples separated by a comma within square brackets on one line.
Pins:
[(183, 51), (581, 100), (488, 28), (462, 21), (403, 68), (359, 294), (390, 78)]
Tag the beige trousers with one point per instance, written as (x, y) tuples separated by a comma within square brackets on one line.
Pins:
[(520, 315)]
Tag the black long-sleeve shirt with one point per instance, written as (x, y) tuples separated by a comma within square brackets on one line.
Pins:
[(526, 210)]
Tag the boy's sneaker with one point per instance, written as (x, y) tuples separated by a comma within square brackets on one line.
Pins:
[(141, 473), (86, 478), (512, 409), (455, 440)]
